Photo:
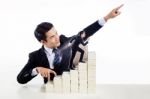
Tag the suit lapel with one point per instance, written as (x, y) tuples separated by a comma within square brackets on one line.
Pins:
[(43, 58)]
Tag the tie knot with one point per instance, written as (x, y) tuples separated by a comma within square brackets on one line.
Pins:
[(55, 50)]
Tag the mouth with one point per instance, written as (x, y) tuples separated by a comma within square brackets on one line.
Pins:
[(58, 43)]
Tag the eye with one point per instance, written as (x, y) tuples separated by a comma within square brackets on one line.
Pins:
[(52, 36)]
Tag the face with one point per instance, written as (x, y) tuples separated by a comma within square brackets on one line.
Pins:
[(83, 35), (52, 39)]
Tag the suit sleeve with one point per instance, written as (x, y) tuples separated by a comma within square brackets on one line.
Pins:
[(25, 75), (91, 29)]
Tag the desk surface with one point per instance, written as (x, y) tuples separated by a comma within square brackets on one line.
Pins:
[(104, 91)]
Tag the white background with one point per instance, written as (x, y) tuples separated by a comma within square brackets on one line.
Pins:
[(122, 46)]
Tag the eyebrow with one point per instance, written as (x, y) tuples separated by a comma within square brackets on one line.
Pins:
[(53, 35)]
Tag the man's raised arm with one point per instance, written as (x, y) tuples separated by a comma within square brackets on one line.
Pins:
[(94, 27)]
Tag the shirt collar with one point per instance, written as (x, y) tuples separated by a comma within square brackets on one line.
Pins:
[(48, 50)]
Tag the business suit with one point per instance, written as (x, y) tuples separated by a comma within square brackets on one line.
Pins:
[(39, 58)]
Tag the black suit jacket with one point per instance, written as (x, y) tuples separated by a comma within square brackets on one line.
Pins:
[(39, 58)]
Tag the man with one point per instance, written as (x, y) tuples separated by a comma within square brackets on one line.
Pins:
[(79, 40), (42, 61)]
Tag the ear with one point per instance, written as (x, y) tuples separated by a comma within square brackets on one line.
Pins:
[(43, 41)]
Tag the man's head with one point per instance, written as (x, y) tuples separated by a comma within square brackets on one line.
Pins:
[(47, 34)]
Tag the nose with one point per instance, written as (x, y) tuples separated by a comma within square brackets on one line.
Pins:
[(57, 37)]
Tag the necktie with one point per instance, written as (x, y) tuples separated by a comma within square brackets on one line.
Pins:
[(57, 58)]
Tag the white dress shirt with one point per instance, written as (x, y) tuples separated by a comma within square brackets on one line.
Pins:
[(101, 21), (50, 55)]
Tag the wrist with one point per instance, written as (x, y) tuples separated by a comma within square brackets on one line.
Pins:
[(106, 18), (38, 69), (34, 72)]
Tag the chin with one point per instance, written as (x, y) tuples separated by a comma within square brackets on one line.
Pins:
[(58, 44)]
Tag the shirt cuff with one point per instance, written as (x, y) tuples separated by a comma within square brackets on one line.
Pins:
[(101, 21), (34, 72)]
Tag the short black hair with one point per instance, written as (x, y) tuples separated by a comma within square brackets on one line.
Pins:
[(41, 30)]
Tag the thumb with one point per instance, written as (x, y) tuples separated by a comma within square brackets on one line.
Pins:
[(53, 72)]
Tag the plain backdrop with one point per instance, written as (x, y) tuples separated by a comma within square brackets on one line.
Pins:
[(122, 46)]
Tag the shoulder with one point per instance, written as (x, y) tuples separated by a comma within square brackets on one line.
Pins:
[(63, 38), (36, 52)]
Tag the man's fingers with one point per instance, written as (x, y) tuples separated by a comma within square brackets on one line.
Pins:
[(46, 72), (116, 9), (117, 12), (119, 7), (48, 76), (53, 72), (42, 74)]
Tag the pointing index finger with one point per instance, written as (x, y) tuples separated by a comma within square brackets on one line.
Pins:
[(119, 7)]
